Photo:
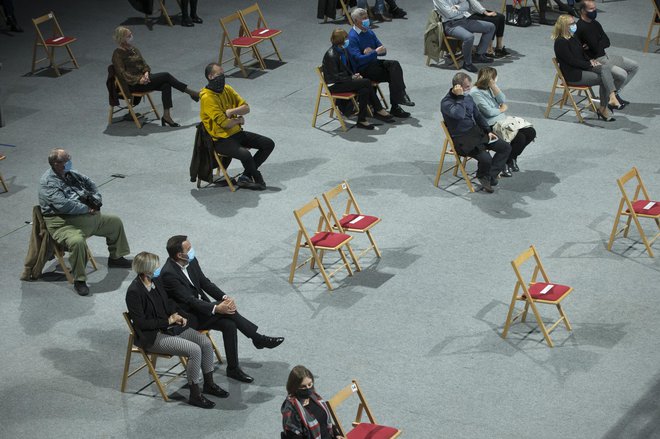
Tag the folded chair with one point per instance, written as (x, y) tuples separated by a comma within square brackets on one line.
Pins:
[(534, 293), (243, 41), (150, 363), (353, 220), (568, 91), (460, 162), (655, 21), (261, 31), (324, 92), (635, 209), (129, 99), (58, 39), (360, 430), (323, 240), (2, 180)]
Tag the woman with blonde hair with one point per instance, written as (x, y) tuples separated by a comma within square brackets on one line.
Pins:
[(578, 69), (133, 71), (491, 102), (162, 328)]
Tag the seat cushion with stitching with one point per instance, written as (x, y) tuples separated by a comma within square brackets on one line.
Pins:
[(265, 33), (245, 41), (371, 431), (362, 224), (555, 293), (638, 207), (329, 239), (59, 41)]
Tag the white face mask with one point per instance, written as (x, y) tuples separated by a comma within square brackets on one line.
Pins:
[(129, 40)]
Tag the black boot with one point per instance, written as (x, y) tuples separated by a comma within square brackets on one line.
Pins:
[(197, 399), (212, 388)]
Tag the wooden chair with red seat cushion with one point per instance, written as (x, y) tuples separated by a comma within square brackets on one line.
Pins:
[(360, 430), (635, 209), (352, 220), (569, 93), (323, 240), (58, 39), (261, 29), (324, 92), (533, 293), (243, 41)]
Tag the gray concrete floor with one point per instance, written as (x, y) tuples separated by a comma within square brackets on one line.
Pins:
[(419, 328)]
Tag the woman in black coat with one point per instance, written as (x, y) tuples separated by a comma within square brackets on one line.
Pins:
[(340, 78), (162, 328)]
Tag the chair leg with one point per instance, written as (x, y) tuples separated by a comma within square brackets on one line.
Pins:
[(539, 321), (614, 228), (316, 258), (277, 52), (73, 58), (296, 252), (153, 106), (215, 347), (575, 107), (60, 260), (345, 261), (563, 315), (648, 36), (509, 321), (151, 365), (552, 97), (441, 164), (339, 116), (4, 184), (316, 107), (51, 56), (355, 259), (257, 54), (643, 235), (466, 177), (373, 243), (127, 364)]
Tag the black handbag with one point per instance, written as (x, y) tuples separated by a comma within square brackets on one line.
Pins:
[(518, 15)]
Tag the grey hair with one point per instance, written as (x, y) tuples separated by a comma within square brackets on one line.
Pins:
[(120, 34), (145, 263), (58, 155), (459, 78), (357, 13)]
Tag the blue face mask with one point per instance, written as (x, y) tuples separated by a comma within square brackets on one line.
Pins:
[(366, 23), (592, 15), (345, 45), (156, 273), (68, 166), (572, 28), (191, 254)]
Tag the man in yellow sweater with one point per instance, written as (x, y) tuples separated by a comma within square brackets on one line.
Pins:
[(222, 111)]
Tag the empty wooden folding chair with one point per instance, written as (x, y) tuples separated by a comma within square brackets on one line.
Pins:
[(360, 430), (635, 209), (324, 92), (535, 293), (243, 41), (129, 98), (460, 162), (325, 239), (352, 220), (149, 361), (655, 21), (58, 39), (568, 91), (261, 29), (2, 180)]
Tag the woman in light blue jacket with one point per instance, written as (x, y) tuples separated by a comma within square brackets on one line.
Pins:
[(491, 103)]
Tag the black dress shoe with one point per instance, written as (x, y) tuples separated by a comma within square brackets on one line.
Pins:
[(201, 401), (397, 111), (186, 22), (388, 119), (485, 183), (196, 19), (239, 375), (119, 263), (398, 13), (406, 101), (215, 390), (80, 287), (494, 181), (621, 100), (264, 341), (513, 165), (164, 122), (363, 126), (470, 68), (478, 58), (506, 172)]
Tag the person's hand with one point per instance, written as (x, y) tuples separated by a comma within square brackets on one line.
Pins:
[(183, 321), (231, 303), (594, 63), (492, 136), (172, 319), (503, 108), (455, 7), (357, 76), (367, 50), (225, 308), (585, 46), (229, 113), (91, 211), (240, 120), (490, 13), (381, 50), (457, 90)]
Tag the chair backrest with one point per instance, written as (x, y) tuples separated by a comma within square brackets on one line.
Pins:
[(229, 20), (341, 397), (538, 267), (57, 30), (130, 324), (448, 138), (261, 21), (656, 8), (621, 182), (351, 203), (306, 209), (319, 71)]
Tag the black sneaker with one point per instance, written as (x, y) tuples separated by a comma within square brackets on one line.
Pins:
[(485, 183), (80, 287), (259, 179), (398, 13), (470, 68), (397, 111), (502, 53), (246, 182), (481, 59)]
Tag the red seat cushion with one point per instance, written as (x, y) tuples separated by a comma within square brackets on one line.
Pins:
[(362, 224), (329, 239), (638, 207), (371, 431), (59, 41), (245, 41), (346, 94), (264, 32), (556, 293)]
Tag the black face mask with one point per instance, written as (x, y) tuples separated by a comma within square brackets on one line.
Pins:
[(304, 393), (217, 84)]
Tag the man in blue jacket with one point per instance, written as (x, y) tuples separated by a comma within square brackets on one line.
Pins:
[(364, 49)]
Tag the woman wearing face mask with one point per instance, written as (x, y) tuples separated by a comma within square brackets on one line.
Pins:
[(340, 78), (491, 103), (578, 69), (136, 74), (305, 414), (161, 327)]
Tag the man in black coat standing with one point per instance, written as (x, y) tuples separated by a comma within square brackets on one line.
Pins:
[(186, 284)]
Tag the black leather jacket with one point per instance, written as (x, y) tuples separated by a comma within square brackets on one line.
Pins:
[(334, 69)]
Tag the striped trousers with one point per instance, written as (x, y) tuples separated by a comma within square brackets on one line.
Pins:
[(190, 343)]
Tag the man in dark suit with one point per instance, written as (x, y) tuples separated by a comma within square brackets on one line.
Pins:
[(186, 284), (471, 134)]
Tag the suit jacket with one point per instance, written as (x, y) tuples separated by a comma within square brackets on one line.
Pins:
[(572, 59), (149, 311), (190, 297)]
